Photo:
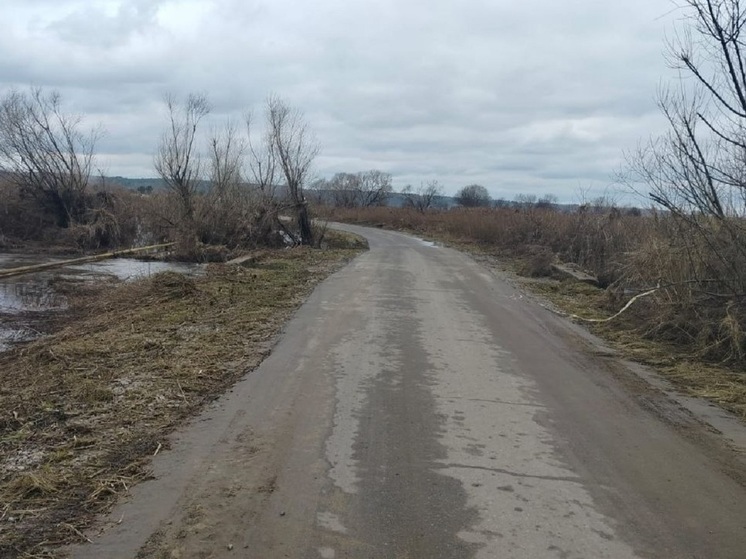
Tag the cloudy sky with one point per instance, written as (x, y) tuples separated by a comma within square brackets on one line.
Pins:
[(530, 96)]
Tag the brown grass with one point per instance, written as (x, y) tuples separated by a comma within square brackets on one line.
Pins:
[(84, 410)]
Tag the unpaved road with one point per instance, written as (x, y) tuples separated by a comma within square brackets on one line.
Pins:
[(417, 407)]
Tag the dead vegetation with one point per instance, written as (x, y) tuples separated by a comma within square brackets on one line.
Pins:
[(692, 327), (85, 409)]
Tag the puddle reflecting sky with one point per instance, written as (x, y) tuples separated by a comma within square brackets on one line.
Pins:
[(35, 292)]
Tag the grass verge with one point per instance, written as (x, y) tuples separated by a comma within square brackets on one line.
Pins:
[(84, 410)]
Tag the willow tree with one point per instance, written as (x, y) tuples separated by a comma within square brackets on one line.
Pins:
[(45, 153), (293, 148)]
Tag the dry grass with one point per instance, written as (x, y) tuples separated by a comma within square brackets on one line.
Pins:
[(85, 409)]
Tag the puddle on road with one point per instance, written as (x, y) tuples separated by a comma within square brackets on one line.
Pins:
[(23, 297)]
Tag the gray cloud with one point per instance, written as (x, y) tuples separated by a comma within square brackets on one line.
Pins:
[(537, 96)]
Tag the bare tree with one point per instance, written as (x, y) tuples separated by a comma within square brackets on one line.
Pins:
[(525, 201), (263, 171), (359, 190), (177, 161), (294, 149), (45, 154), (264, 175), (423, 198), (700, 164), (225, 210), (473, 196), (697, 173), (547, 202), (697, 170), (345, 189), (375, 188), (227, 152)]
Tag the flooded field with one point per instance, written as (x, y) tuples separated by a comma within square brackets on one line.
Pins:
[(26, 300)]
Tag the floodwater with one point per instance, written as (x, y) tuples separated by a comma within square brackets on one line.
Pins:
[(24, 299)]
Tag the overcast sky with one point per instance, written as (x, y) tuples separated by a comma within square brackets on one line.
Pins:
[(532, 96)]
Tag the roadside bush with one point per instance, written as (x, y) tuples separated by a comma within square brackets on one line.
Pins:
[(113, 219), (20, 218), (702, 300)]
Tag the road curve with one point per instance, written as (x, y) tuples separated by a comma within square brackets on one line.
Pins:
[(419, 407)]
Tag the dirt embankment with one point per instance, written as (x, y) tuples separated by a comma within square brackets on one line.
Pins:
[(83, 410)]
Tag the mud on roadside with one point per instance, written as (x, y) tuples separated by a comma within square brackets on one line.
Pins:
[(83, 410)]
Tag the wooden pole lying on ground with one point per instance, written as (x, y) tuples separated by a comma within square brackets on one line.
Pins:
[(12, 272)]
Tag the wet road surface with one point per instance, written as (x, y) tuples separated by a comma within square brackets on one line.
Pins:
[(417, 406)]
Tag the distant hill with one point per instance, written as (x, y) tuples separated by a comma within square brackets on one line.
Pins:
[(134, 184), (395, 199)]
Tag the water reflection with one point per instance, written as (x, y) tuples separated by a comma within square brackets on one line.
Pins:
[(29, 296), (24, 296)]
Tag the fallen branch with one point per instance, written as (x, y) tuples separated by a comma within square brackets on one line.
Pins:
[(641, 295), (624, 308)]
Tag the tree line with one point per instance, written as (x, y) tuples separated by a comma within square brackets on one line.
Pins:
[(235, 188)]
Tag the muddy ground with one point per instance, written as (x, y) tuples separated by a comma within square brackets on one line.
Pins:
[(84, 408)]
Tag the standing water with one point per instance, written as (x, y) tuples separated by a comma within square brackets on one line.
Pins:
[(23, 299)]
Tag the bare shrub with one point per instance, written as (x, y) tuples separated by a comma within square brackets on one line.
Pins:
[(700, 302), (537, 263), (695, 172)]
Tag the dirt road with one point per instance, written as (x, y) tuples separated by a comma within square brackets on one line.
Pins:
[(419, 407)]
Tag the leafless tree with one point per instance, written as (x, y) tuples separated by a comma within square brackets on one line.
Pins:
[(227, 152), (45, 154), (294, 149), (177, 160), (525, 201), (359, 190), (375, 188), (700, 164), (547, 202), (344, 190), (262, 166), (473, 196), (697, 170), (423, 198), (225, 209)]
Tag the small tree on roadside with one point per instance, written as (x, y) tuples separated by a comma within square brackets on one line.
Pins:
[(294, 148), (696, 171), (473, 196), (45, 154)]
